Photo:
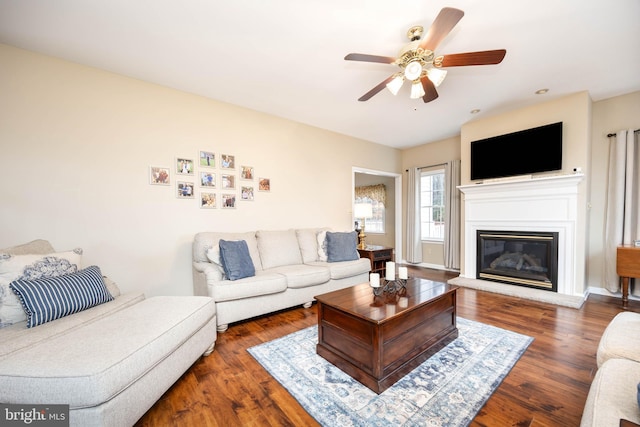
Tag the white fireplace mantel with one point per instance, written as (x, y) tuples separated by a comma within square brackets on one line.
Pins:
[(543, 204)]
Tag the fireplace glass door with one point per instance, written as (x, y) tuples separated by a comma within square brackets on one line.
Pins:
[(518, 258)]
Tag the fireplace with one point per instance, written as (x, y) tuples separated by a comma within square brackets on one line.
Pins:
[(538, 205), (518, 258)]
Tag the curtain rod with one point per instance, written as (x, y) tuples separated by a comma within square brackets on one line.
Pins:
[(429, 166), (609, 135)]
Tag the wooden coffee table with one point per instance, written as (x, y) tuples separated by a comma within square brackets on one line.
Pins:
[(377, 340)]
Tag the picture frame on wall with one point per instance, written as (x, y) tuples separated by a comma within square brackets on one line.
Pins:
[(228, 201), (264, 184), (228, 181), (184, 190), (207, 179), (246, 193), (207, 159), (184, 166), (246, 173), (159, 175), (227, 161), (207, 200)]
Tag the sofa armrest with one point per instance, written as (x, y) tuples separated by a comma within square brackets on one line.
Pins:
[(204, 273)]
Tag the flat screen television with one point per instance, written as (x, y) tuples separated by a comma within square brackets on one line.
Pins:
[(524, 152)]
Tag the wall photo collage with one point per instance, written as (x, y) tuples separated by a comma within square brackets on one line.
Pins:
[(213, 179)]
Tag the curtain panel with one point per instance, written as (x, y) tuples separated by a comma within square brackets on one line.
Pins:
[(452, 212), (622, 220), (414, 238)]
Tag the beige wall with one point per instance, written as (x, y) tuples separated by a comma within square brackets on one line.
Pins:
[(76, 144), (434, 153), (574, 111), (586, 146), (609, 116)]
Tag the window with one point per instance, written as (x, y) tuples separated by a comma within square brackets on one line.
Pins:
[(376, 195), (432, 204)]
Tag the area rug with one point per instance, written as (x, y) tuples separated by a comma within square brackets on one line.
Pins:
[(446, 390)]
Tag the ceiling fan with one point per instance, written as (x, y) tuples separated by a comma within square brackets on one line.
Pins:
[(418, 63)]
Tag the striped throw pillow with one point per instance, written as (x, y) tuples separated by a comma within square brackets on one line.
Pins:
[(51, 298)]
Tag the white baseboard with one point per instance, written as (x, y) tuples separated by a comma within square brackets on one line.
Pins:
[(432, 266)]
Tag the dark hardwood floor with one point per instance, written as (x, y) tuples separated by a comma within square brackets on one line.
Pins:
[(547, 387)]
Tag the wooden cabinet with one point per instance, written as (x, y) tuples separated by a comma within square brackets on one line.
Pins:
[(378, 255)]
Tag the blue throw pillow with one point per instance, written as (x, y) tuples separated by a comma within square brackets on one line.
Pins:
[(342, 246), (236, 261), (51, 298)]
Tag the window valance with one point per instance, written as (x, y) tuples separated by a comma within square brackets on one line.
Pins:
[(376, 192)]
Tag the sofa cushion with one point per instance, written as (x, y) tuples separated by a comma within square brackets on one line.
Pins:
[(342, 246), (612, 395), (100, 361), (236, 259), (302, 276), (617, 342), (51, 298), (30, 266), (342, 270), (308, 242), (263, 283), (278, 248), (17, 337)]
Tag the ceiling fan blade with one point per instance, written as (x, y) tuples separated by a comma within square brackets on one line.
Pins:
[(430, 92), (369, 58), (485, 57), (375, 90), (442, 25)]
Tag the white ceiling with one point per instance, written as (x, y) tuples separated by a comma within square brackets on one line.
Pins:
[(285, 57)]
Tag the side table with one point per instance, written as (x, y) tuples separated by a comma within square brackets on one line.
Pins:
[(627, 266), (378, 255)]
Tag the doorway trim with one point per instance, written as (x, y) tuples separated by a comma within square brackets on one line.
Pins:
[(398, 202)]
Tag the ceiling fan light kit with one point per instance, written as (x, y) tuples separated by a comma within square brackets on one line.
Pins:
[(418, 62), (417, 91), (395, 84)]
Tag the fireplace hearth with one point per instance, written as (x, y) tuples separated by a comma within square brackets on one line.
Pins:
[(518, 258)]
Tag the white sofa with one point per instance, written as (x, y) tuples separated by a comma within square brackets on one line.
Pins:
[(110, 363), (291, 267), (614, 392)]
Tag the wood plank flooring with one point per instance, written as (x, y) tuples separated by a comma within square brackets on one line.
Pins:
[(547, 387)]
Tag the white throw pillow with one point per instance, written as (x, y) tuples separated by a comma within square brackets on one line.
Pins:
[(30, 267), (322, 246), (213, 255)]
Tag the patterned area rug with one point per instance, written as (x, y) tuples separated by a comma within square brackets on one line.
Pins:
[(446, 390)]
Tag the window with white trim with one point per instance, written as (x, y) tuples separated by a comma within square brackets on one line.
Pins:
[(432, 204)]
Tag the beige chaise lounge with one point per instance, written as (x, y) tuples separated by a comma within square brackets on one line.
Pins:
[(109, 363)]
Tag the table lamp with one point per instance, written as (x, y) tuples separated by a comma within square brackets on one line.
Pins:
[(364, 211)]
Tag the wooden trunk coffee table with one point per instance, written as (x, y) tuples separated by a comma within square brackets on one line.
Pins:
[(377, 340)]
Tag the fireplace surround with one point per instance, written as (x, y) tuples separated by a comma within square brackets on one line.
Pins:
[(545, 204)]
